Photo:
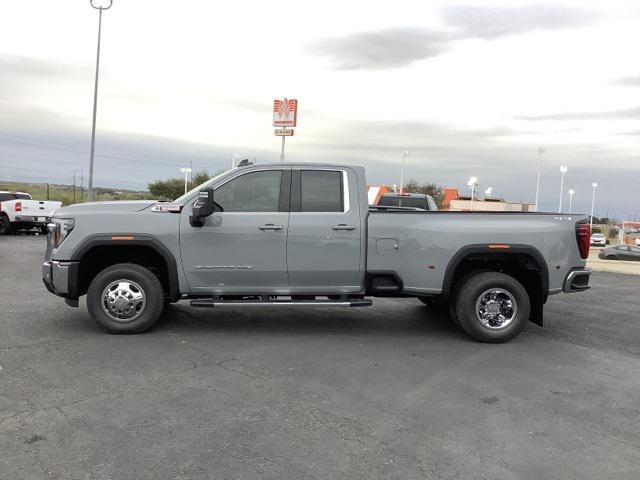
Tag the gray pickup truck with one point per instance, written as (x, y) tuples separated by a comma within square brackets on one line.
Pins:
[(303, 235)]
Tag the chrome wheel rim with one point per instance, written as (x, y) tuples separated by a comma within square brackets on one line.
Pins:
[(123, 300), (496, 308)]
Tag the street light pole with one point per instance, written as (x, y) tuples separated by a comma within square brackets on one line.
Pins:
[(472, 183), (541, 152), (594, 185), (95, 97), (563, 170), (186, 172), (404, 159), (571, 192)]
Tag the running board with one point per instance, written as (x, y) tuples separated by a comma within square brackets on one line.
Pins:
[(210, 303)]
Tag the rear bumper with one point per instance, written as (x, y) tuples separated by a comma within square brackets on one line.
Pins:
[(577, 280), (61, 278), (40, 221)]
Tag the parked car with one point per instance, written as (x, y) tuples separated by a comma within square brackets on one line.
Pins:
[(410, 200), (638, 241), (598, 240), (620, 252), (302, 235), (18, 211)]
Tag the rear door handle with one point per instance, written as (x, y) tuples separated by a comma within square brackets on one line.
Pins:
[(270, 226), (342, 226)]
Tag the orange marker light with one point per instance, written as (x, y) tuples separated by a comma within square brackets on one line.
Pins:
[(122, 238), (499, 246)]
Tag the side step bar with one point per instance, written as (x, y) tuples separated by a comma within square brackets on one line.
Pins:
[(210, 303)]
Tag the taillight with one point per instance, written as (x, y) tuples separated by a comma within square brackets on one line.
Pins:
[(583, 237), (18, 206)]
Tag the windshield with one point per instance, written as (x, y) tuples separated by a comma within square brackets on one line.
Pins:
[(196, 189)]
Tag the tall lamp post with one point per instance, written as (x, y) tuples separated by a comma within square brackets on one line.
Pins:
[(472, 184), (100, 8), (571, 192), (563, 170), (404, 159), (541, 152), (594, 185), (186, 172)]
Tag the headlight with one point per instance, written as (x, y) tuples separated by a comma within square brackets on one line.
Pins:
[(60, 229)]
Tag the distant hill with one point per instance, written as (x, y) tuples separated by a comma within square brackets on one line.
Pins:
[(64, 193)]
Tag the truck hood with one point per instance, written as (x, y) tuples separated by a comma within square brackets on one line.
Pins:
[(116, 206)]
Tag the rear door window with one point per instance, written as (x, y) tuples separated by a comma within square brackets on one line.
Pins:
[(321, 191)]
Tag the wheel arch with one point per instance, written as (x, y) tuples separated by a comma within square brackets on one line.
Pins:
[(99, 251), (524, 262)]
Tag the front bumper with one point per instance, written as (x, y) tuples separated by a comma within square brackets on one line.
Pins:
[(61, 278), (577, 280)]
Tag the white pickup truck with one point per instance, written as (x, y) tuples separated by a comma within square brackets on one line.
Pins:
[(18, 211)]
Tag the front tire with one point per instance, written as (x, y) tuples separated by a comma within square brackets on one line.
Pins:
[(125, 298), (492, 307)]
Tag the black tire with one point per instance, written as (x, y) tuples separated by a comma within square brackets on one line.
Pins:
[(44, 230), (508, 290), (133, 277), (611, 257), (5, 226)]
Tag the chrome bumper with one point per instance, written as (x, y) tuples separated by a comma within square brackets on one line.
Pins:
[(57, 277), (577, 280)]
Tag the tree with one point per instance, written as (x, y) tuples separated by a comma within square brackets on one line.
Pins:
[(414, 186), (172, 188)]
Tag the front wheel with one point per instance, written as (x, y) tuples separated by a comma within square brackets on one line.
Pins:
[(611, 257), (125, 298), (492, 307)]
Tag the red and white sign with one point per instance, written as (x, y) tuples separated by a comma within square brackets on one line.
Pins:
[(283, 132), (285, 113)]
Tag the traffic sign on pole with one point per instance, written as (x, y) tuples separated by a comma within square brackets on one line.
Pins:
[(283, 132)]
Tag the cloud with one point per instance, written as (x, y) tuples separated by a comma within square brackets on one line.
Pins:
[(627, 81), (490, 23), (381, 50), (400, 47), (624, 113)]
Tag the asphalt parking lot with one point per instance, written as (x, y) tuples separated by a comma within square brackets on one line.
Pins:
[(393, 391)]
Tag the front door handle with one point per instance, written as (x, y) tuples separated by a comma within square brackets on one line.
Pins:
[(342, 226), (270, 226)]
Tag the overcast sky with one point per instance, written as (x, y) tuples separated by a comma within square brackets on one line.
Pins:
[(468, 88)]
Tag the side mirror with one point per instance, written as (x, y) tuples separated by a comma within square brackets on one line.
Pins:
[(202, 208)]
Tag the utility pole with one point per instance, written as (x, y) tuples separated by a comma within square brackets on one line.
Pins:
[(74, 186), (81, 185), (404, 159), (541, 152), (95, 97)]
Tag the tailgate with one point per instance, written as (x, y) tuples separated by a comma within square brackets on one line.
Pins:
[(39, 207)]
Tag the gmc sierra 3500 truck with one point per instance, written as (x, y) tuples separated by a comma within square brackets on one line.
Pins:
[(303, 235)]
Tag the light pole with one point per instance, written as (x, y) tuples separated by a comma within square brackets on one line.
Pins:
[(100, 8), (541, 152), (571, 192), (472, 183), (404, 159), (563, 170), (234, 159), (186, 172), (594, 185)]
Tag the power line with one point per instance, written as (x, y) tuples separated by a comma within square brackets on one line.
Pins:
[(70, 148)]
